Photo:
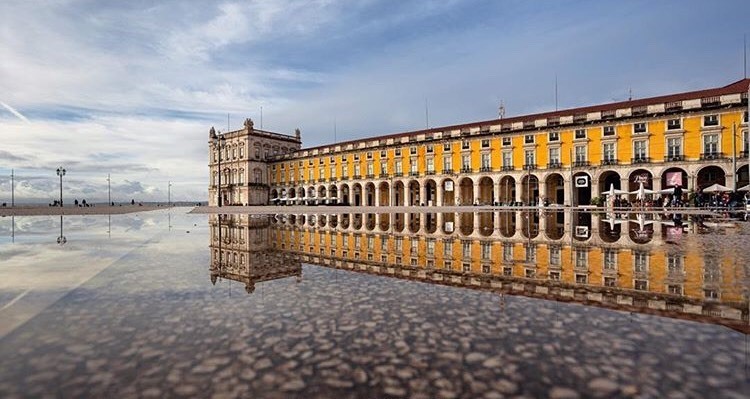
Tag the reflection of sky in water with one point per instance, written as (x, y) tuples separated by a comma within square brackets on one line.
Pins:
[(146, 316)]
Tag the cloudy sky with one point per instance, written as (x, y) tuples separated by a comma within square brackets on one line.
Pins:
[(132, 87)]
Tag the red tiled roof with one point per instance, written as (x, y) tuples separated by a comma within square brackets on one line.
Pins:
[(740, 86)]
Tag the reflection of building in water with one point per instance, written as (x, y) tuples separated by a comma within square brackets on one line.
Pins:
[(635, 263), (241, 251)]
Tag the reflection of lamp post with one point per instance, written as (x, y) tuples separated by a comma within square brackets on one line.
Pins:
[(61, 240), (218, 144), (169, 193), (61, 173)]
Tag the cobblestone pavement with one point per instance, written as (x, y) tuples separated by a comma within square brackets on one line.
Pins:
[(153, 325)]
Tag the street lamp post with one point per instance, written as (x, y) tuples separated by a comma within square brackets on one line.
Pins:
[(219, 143), (109, 191), (61, 173), (169, 193)]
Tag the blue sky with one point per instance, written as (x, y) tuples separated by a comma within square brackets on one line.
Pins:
[(132, 87)]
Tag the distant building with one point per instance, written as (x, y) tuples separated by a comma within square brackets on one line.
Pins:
[(691, 139), (244, 157)]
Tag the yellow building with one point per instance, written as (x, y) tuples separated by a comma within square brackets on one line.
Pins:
[(691, 139)]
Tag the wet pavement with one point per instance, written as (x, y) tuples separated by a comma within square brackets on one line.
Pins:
[(143, 306)]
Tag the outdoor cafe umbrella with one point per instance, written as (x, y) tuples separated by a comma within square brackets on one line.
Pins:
[(667, 191), (716, 188), (613, 191), (744, 188), (641, 192)]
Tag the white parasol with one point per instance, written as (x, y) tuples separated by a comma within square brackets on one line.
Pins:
[(716, 188)]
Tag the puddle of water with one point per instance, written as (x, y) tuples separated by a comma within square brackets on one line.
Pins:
[(366, 305)]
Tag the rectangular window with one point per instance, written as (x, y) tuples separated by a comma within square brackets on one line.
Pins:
[(398, 152), (333, 171), (413, 166), (485, 143), (486, 250), (448, 249), (675, 289), (711, 120), (446, 147), (369, 154), (447, 164), (464, 145), (640, 262), (581, 278), (529, 158), (608, 151), (641, 285), (384, 168), (370, 169), (399, 167), (610, 281), (639, 127), (580, 134), (414, 245), (528, 139), (610, 259), (711, 144), (507, 252), (582, 259), (639, 149), (674, 147), (356, 170), (413, 150), (431, 246), (345, 171), (554, 276), (429, 148), (554, 136), (580, 152), (465, 162), (554, 156), (674, 124), (531, 253), (399, 244), (383, 154), (674, 264), (356, 157), (466, 249), (554, 256), (506, 141), (431, 165), (507, 159), (608, 131), (485, 161)]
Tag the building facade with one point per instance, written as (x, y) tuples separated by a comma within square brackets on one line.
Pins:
[(691, 139), (242, 156)]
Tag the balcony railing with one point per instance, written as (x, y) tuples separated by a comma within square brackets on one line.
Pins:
[(255, 184), (554, 165), (429, 172), (640, 160), (581, 164), (414, 173), (398, 174), (712, 155), (466, 169), (529, 166), (321, 179), (485, 169), (674, 158), (610, 162), (355, 177), (370, 176), (743, 154), (383, 174), (507, 168), (447, 171)]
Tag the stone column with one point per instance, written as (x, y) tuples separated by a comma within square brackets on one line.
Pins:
[(542, 189), (439, 194), (422, 193), (476, 193), (439, 222), (377, 195), (568, 190), (391, 194), (498, 191), (519, 188)]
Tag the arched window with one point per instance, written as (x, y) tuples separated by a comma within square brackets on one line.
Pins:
[(242, 151), (257, 176), (241, 177)]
